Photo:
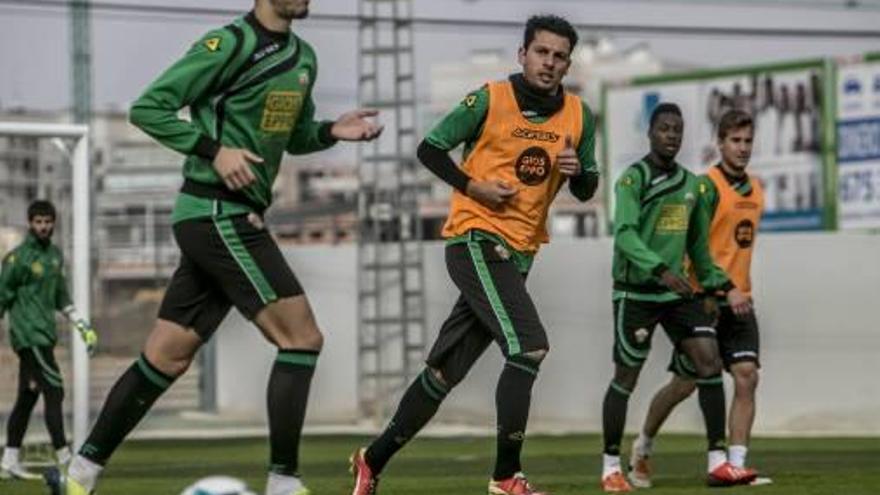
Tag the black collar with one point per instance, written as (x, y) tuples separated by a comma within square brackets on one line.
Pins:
[(251, 18), (534, 103), (732, 179), (658, 168)]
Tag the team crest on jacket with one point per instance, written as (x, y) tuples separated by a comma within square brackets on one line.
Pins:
[(212, 44), (533, 166), (37, 269)]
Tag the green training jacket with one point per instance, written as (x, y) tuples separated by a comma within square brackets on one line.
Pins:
[(245, 87), (660, 218), (32, 288)]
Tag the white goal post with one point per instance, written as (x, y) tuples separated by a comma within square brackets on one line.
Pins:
[(80, 263)]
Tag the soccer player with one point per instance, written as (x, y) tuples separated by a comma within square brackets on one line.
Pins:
[(248, 87), (660, 219), (735, 202), (32, 289), (523, 137)]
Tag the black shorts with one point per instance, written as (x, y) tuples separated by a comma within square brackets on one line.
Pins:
[(494, 305), (225, 262), (37, 369), (635, 321), (738, 341)]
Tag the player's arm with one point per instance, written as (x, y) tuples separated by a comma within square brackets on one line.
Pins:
[(310, 135), (8, 282), (190, 78), (463, 124), (64, 304), (627, 210), (583, 185), (710, 275), (710, 198)]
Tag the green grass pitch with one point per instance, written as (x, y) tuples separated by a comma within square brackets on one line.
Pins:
[(560, 465)]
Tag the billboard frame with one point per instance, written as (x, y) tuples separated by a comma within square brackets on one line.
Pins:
[(827, 152)]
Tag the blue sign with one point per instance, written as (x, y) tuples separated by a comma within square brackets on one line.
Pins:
[(858, 140), (789, 221), (852, 86), (650, 100)]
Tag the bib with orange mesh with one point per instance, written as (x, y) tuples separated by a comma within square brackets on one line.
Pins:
[(523, 154), (733, 228)]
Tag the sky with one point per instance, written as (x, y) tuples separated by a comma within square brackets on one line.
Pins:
[(131, 49)]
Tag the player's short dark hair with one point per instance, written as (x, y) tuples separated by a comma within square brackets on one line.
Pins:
[(552, 23), (41, 208), (664, 108), (733, 120)]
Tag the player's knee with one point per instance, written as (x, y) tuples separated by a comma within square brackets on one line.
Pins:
[(536, 356), (53, 395), (307, 337), (708, 365), (710, 368), (170, 348), (31, 395), (170, 365), (32, 388), (438, 374), (175, 367), (28, 396), (626, 377), (314, 340), (290, 324), (745, 376)]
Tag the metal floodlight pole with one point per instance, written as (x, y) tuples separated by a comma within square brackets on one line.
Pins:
[(81, 179)]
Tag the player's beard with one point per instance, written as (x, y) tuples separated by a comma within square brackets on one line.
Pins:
[(45, 236), (286, 11)]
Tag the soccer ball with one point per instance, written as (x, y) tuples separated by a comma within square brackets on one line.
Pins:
[(218, 485)]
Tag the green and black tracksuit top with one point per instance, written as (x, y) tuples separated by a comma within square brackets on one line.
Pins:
[(245, 87), (661, 218), (32, 288)]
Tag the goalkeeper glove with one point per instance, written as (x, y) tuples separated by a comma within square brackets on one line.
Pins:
[(88, 334)]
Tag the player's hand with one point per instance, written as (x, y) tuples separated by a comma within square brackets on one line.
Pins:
[(740, 303), (676, 283), (354, 126), (234, 167), (492, 194), (569, 163), (88, 335)]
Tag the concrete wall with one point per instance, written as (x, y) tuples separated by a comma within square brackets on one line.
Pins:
[(815, 296), (244, 357)]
